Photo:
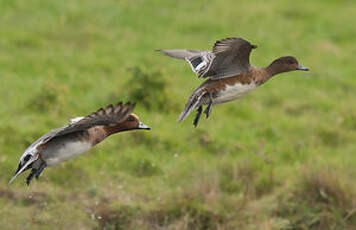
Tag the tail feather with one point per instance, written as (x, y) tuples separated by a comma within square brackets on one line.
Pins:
[(192, 103), (24, 166)]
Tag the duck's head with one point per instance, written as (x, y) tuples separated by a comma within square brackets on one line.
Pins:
[(132, 122), (285, 64)]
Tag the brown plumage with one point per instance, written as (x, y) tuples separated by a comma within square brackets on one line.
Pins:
[(77, 137), (229, 71)]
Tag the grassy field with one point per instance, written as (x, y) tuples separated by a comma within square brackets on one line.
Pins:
[(281, 158)]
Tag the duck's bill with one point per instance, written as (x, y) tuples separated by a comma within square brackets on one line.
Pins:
[(300, 67), (143, 126)]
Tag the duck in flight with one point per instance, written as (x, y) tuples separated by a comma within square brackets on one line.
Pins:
[(81, 134), (228, 72)]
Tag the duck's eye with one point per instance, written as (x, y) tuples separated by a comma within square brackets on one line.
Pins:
[(130, 119)]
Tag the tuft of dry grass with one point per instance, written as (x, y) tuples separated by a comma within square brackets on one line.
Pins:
[(323, 198), (324, 185), (38, 198)]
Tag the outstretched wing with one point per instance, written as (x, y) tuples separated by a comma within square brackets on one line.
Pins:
[(198, 60), (183, 54), (112, 114), (231, 57)]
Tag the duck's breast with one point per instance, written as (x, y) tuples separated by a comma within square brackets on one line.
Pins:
[(233, 91), (64, 148)]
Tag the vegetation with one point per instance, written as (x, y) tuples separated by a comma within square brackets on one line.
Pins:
[(281, 158)]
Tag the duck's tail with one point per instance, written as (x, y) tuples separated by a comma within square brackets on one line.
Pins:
[(193, 102), (24, 165)]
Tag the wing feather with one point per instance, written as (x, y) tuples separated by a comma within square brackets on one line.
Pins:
[(231, 57), (183, 54), (112, 114)]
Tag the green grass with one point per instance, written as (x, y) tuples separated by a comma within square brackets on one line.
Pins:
[(281, 158)]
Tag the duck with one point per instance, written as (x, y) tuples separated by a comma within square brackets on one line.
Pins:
[(228, 72), (80, 135)]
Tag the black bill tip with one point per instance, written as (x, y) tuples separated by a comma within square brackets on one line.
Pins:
[(300, 67), (143, 126)]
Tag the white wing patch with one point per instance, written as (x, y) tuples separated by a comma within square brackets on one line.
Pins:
[(75, 120), (200, 66)]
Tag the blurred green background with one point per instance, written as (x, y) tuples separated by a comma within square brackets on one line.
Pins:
[(281, 158)]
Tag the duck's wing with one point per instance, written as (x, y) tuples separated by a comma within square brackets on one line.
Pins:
[(199, 97), (183, 54), (199, 60), (231, 56), (110, 115)]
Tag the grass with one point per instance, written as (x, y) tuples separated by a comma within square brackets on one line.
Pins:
[(281, 158)]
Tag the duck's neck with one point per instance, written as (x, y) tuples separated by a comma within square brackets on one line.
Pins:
[(274, 69), (117, 128), (99, 133)]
